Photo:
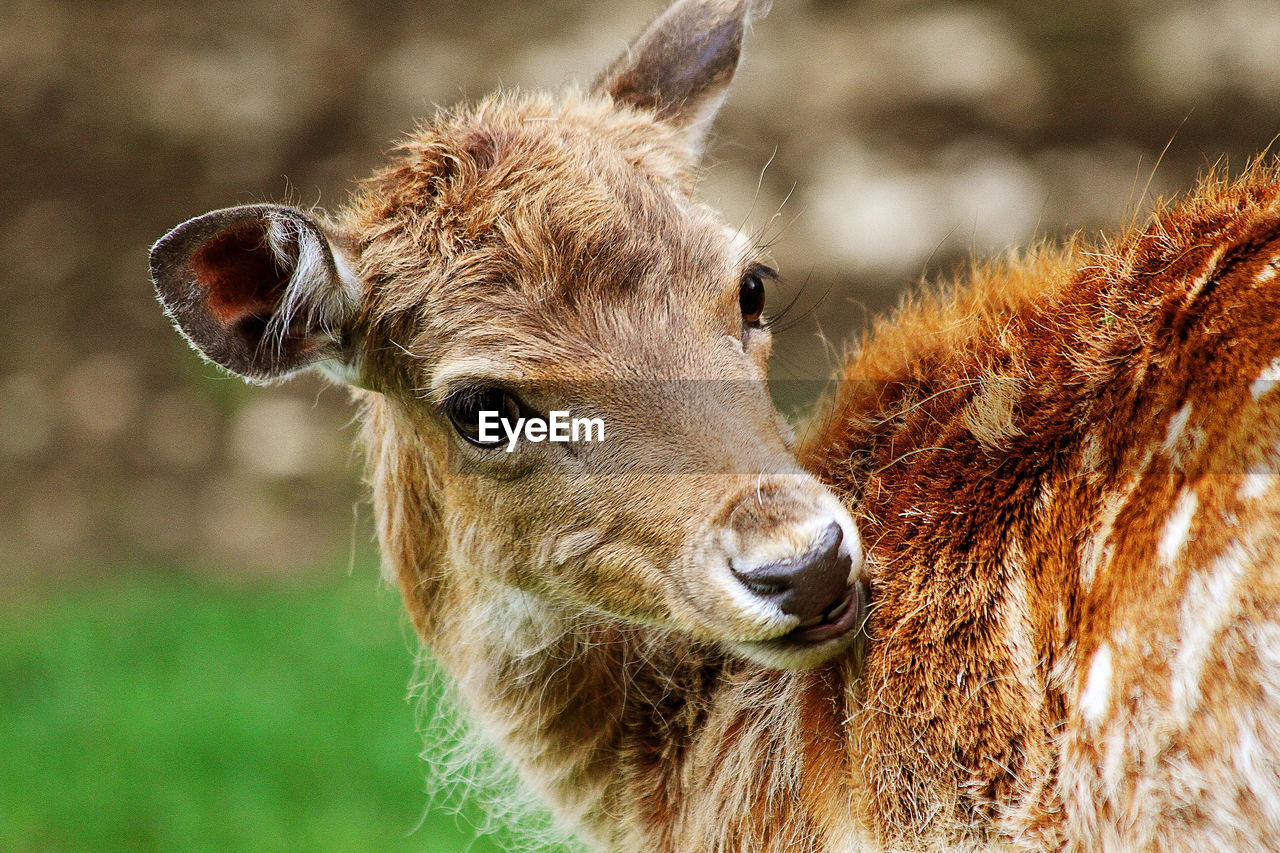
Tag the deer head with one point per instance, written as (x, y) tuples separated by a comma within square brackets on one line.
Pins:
[(533, 254)]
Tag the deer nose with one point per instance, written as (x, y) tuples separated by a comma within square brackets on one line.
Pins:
[(806, 585)]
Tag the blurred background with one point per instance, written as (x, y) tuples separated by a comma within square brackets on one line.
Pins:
[(195, 652)]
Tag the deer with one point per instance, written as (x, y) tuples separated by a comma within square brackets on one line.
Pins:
[(1017, 586)]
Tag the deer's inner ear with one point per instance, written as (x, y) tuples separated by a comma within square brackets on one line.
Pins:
[(242, 278), (681, 66), (260, 290)]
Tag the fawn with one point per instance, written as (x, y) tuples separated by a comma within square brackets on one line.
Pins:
[(1016, 590)]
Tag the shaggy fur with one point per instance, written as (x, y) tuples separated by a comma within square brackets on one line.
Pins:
[(1063, 471)]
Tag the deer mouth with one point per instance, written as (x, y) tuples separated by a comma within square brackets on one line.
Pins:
[(836, 620), (818, 639)]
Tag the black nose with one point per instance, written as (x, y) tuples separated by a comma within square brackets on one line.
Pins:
[(804, 585)]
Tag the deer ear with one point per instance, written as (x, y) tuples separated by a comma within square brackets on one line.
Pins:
[(681, 67), (260, 290)]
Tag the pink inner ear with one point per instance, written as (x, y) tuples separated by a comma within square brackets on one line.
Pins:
[(240, 274)]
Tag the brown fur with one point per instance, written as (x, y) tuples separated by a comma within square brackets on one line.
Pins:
[(1001, 566), (1063, 471)]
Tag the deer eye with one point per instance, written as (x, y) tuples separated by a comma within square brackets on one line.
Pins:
[(464, 408), (751, 293)]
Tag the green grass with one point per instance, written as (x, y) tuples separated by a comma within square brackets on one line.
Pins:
[(175, 714)]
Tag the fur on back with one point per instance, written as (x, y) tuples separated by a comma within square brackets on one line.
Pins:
[(1065, 471)]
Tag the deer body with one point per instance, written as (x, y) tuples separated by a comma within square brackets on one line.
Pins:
[(1062, 631)]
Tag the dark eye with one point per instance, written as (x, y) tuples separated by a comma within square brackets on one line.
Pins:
[(751, 294), (464, 408)]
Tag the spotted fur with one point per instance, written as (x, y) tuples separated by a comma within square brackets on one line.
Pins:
[(1125, 523)]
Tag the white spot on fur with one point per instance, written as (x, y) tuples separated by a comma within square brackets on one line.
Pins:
[(1097, 549), (1091, 454), (1257, 482), (1266, 380), (1177, 527), (1206, 607), (1177, 425), (1096, 696), (1249, 762), (1022, 649), (1210, 270), (1044, 500), (1268, 272)]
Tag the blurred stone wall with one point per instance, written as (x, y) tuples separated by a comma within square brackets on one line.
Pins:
[(869, 143)]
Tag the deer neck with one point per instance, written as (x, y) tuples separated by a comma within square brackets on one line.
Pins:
[(548, 688), (642, 740)]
